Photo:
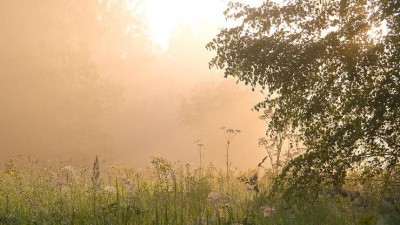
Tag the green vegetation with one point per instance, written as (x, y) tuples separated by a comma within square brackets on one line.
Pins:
[(34, 192), (330, 72)]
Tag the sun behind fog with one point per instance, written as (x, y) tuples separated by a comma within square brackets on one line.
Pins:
[(164, 17)]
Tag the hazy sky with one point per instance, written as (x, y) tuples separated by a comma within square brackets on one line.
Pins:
[(151, 59)]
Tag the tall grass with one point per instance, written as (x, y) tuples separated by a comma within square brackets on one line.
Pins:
[(33, 192)]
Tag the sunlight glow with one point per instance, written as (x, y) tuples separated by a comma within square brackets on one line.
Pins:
[(164, 17), (377, 33)]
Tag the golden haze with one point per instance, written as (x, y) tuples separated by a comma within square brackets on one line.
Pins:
[(81, 78)]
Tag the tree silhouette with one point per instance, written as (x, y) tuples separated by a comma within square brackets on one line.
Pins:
[(331, 71)]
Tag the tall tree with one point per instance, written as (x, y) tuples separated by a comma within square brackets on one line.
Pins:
[(331, 71)]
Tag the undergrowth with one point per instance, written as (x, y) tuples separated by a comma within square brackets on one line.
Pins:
[(35, 192)]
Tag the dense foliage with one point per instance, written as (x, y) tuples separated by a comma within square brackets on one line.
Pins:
[(330, 71)]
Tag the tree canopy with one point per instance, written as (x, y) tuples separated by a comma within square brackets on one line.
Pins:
[(330, 71)]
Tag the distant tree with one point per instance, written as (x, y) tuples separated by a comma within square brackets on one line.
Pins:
[(210, 104), (331, 71), (52, 96)]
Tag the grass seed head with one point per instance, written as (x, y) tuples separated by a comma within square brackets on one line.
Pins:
[(96, 174)]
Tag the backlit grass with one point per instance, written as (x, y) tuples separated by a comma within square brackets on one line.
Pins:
[(35, 192)]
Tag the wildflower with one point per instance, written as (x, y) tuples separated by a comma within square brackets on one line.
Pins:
[(266, 210), (217, 198), (70, 169), (53, 176), (109, 189), (219, 202)]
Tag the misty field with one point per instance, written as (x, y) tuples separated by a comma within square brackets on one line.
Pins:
[(313, 84), (37, 192)]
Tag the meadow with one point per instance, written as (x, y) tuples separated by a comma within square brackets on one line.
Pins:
[(39, 192)]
